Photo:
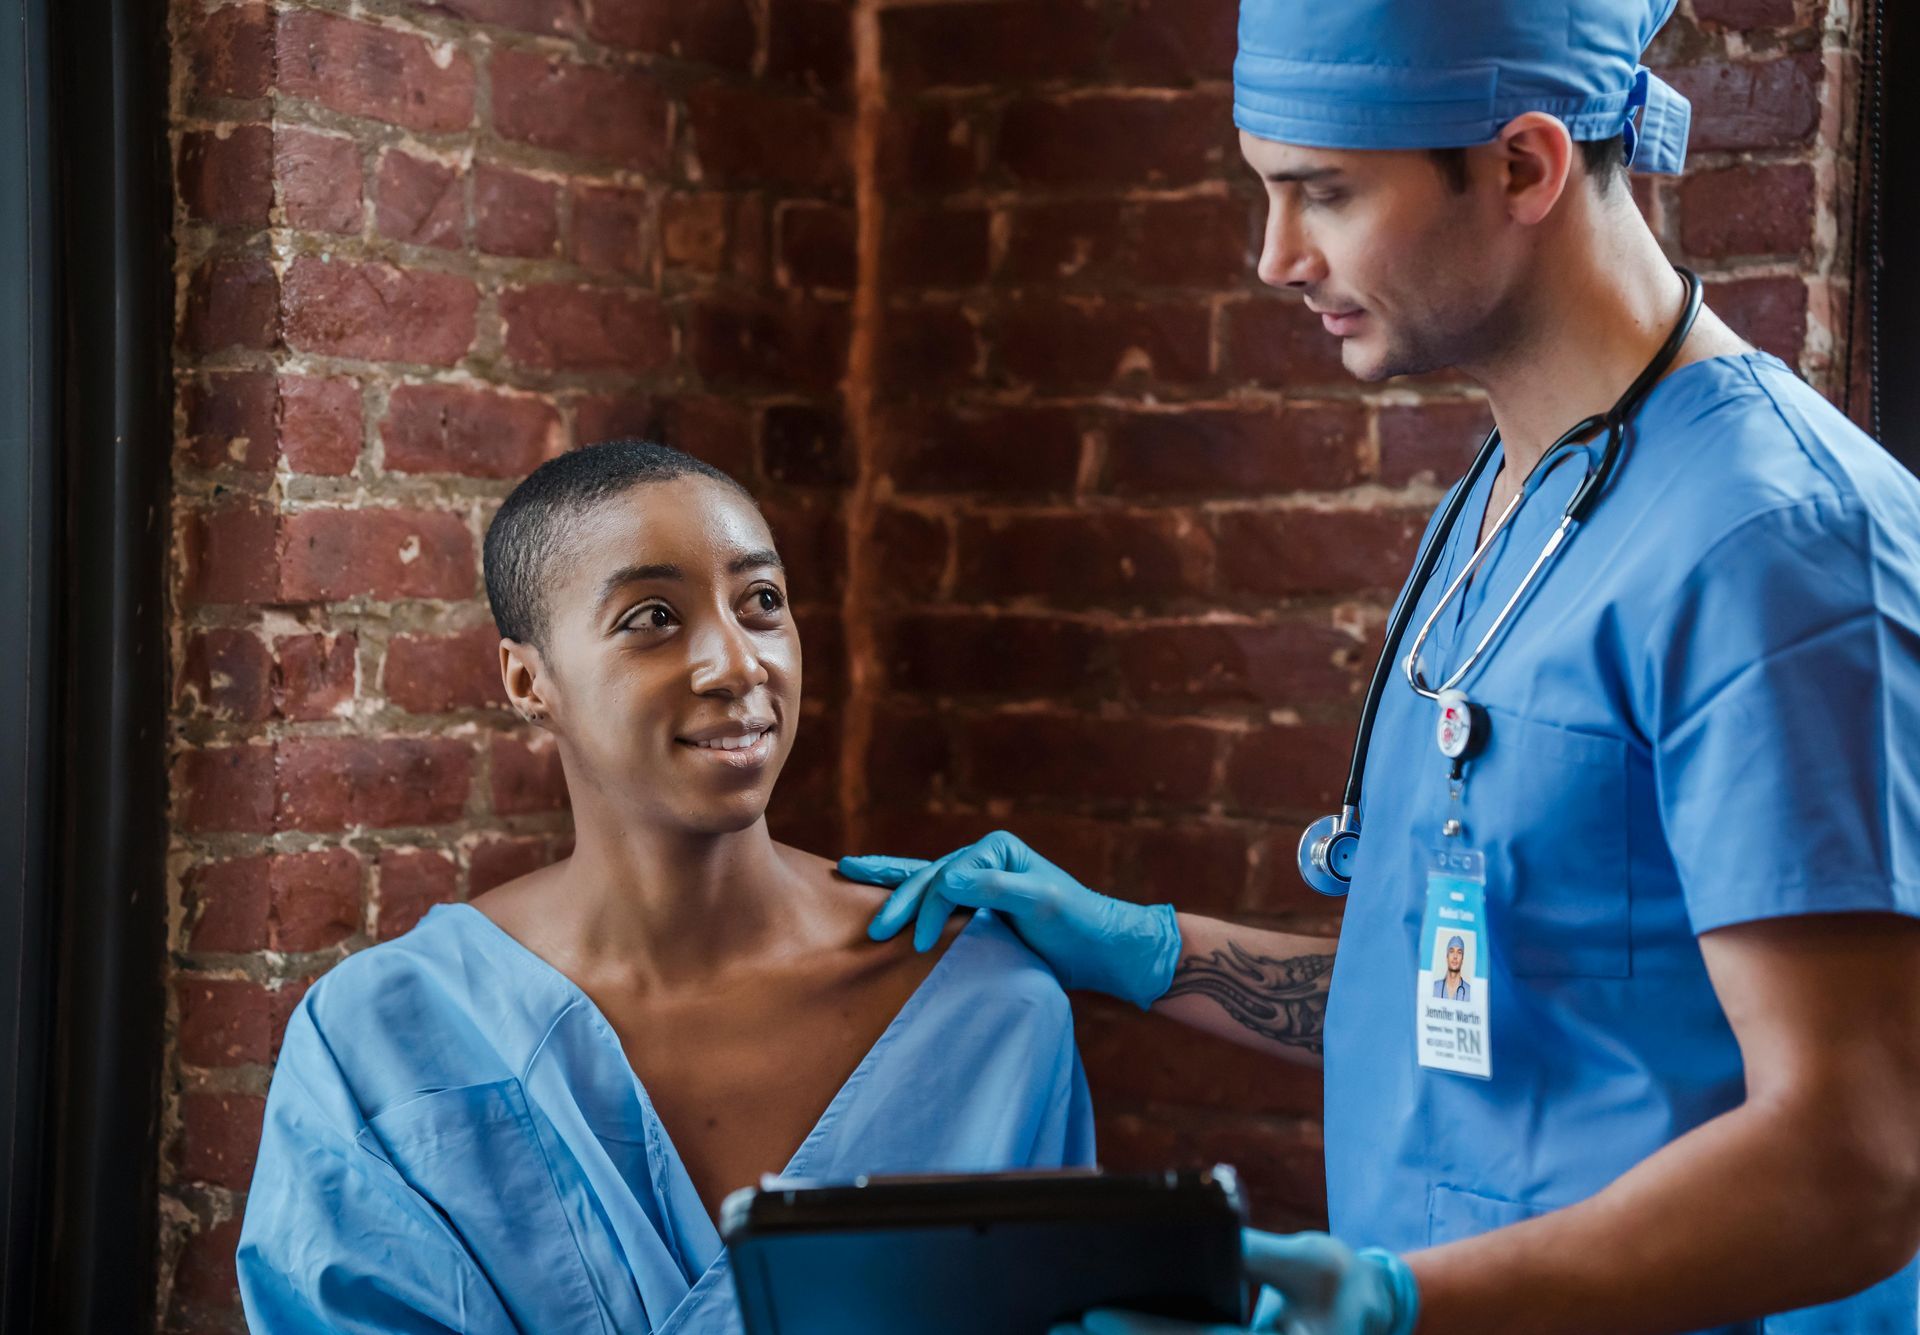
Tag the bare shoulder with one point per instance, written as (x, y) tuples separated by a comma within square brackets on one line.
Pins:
[(519, 906), (851, 906)]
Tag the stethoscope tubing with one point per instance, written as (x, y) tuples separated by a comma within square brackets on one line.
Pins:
[(1585, 496)]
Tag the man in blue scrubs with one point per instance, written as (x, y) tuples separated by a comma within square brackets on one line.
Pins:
[(1684, 1093)]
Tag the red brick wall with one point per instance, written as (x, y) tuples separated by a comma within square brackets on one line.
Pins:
[(1091, 534)]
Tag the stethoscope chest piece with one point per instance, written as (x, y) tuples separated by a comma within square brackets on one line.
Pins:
[(1327, 850)]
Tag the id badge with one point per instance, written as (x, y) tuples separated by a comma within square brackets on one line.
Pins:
[(1453, 1008)]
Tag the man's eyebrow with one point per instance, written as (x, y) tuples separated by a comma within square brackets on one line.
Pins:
[(756, 560), (1304, 174)]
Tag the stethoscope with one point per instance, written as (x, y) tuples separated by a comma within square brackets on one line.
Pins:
[(1330, 844)]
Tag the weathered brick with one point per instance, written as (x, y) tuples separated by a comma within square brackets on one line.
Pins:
[(226, 176), (496, 861), (817, 245), (1433, 440), (935, 247), (430, 674), (1018, 451), (339, 308), (419, 201), (225, 1021), (1099, 342), (1083, 559), (1115, 139), (229, 554), (230, 51), (513, 213), (1076, 758), (1770, 313), (338, 783), (320, 424), (1279, 342), (744, 135), (716, 429), (1747, 210), (412, 880), (714, 32), (1751, 104), (1744, 15), (552, 18), (1176, 41), (591, 111), (225, 788), (1281, 553), (475, 432), (230, 420), (613, 230), (932, 147), (973, 654), (205, 1292), (1205, 243), (379, 73), (232, 302), (791, 344), (1272, 665), (277, 901), (1295, 447), (810, 41), (1200, 868), (562, 327), (227, 674), (315, 675), (385, 553), (911, 548), (716, 233), (1289, 768), (319, 180), (931, 346), (998, 43), (219, 1136), (805, 445), (527, 776)]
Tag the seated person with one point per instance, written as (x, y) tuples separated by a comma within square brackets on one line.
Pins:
[(523, 1114)]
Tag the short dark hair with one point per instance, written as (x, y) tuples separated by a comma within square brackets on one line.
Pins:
[(529, 533), (1606, 160)]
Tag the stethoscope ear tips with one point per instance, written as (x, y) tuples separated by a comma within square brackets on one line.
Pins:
[(1327, 850)]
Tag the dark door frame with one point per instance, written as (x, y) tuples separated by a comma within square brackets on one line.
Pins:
[(86, 312)]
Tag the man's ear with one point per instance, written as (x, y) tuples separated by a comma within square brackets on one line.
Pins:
[(524, 674), (1536, 158)]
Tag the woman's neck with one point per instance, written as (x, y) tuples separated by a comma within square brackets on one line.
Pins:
[(664, 908)]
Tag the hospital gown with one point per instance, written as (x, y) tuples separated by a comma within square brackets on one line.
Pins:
[(455, 1140)]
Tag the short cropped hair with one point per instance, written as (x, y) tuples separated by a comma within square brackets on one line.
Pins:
[(1605, 159), (529, 535)]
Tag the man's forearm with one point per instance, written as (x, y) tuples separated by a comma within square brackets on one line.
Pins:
[(1757, 1211), (1264, 989)]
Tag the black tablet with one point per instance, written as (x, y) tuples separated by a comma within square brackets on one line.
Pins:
[(984, 1254)]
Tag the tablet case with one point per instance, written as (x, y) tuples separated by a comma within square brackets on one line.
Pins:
[(984, 1254)]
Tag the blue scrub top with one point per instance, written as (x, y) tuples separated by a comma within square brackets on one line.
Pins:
[(455, 1140), (1702, 715)]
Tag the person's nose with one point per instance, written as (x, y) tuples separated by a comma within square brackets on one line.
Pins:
[(1287, 257), (725, 660)]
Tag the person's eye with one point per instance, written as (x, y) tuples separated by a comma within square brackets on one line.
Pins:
[(650, 618), (765, 601), (1322, 199)]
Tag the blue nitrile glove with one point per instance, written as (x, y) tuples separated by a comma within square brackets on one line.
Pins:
[(1089, 940), (1315, 1285)]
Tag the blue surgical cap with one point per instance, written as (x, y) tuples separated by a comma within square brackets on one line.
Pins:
[(1456, 943), (1451, 73)]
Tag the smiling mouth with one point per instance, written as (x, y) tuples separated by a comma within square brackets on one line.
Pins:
[(745, 741)]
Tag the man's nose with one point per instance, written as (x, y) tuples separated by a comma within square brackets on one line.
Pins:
[(1287, 259)]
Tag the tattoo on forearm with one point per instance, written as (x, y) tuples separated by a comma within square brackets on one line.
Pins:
[(1284, 1000)]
